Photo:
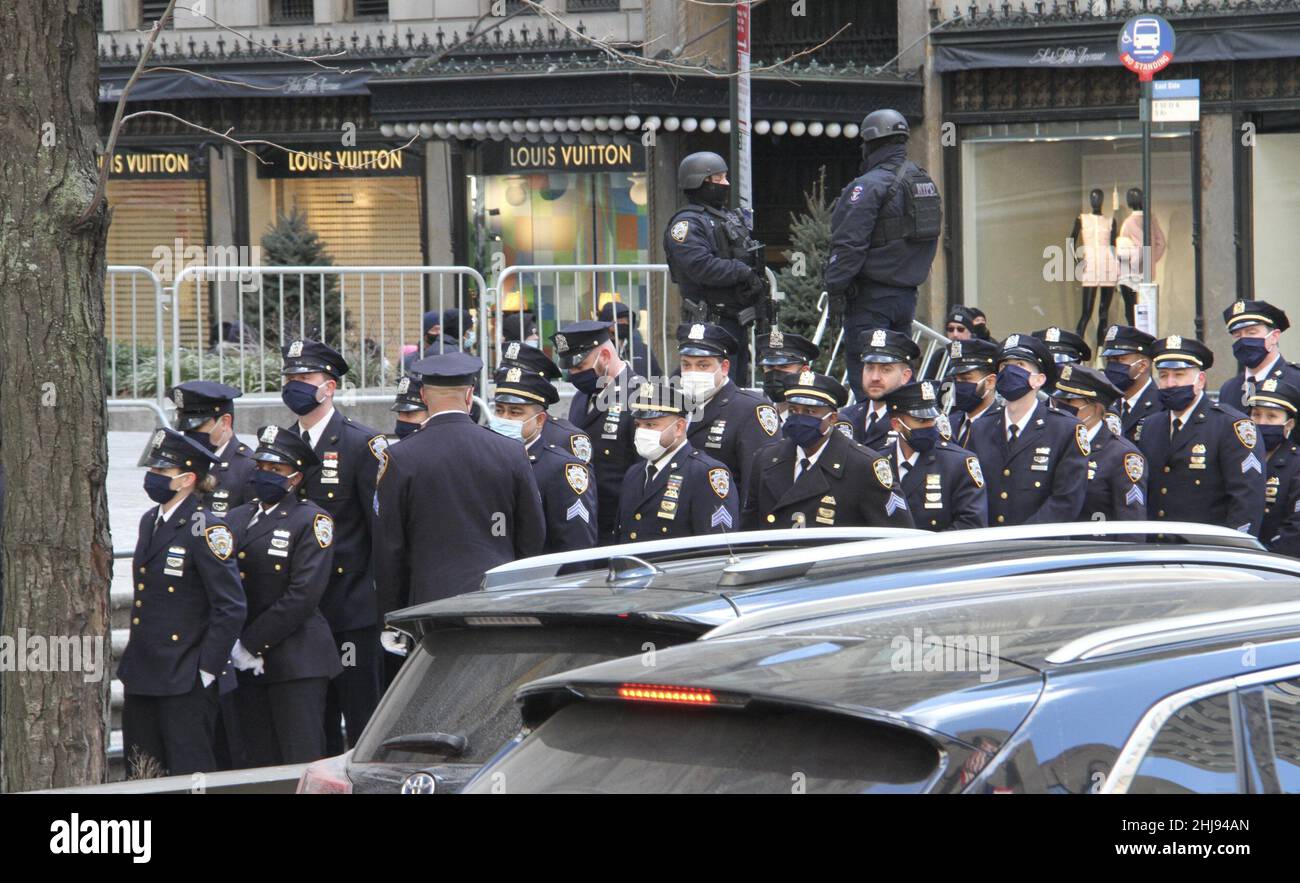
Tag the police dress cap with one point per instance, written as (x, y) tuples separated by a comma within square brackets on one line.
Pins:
[(697, 167), (573, 342), (169, 449), (310, 356), (1275, 393), (785, 348), (614, 310), (1123, 339), (284, 446), (811, 388), (1066, 346), (1255, 312), (408, 395), (518, 386), (530, 358), (1176, 351), (920, 399), (1031, 349), (882, 346), (1083, 382), (971, 355), (511, 324), (198, 401), (659, 398), (452, 368), (703, 339)]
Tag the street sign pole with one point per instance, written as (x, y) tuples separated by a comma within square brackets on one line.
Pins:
[(1147, 91), (733, 161), (742, 187)]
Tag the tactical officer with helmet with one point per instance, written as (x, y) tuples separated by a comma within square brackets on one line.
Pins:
[(884, 234), (713, 259), (205, 411)]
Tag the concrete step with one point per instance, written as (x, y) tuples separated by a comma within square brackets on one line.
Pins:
[(119, 608)]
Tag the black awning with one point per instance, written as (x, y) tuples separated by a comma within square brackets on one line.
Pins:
[(174, 84)]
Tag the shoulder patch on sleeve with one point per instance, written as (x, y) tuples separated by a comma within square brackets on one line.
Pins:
[(1081, 439), (323, 527), (846, 429), (1134, 466), (768, 419), (976, 473), (884, 474), (581, 447), (720, 481), (679, 230), (1114, 424), (383, 467), (945, 428), (1245, 430), (377, 446), (220, 541), (576, 475)]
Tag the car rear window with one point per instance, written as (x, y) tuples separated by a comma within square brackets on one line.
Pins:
[(463, 681), (624, 747)]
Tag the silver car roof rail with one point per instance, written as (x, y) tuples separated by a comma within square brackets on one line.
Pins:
[(1175, 630), (797, 562), (599, 558)]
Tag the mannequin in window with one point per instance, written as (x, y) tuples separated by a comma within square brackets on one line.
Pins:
[(1094, 238), (1129, 251)]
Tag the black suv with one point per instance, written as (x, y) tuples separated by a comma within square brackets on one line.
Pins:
[(1110, 675)]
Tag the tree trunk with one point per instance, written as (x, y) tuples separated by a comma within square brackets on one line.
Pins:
[(57, 555)]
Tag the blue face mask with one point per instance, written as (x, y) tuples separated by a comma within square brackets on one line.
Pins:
[(923, 438), (1177, 398), (158, 487), (203, 438), (269, 487), (1272, 435), (1118, 374), (586, 382), (1013, 383), (403, 429), (299, 397), (966, 396), (1250, 351), (802, 429), (1068, 409), (509, 428)]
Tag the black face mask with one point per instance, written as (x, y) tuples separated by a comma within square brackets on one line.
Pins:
[(714, 194), (774, 385)]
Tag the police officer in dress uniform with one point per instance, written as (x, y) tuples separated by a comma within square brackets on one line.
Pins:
[(344, 486), (186, 615), (677, 491), (1256, 327), (205, 411), (409, 407), (1127, 352), (564, 481), (1034, 458), (631, 347), (728, 423), (556, 430), (781, 353), (1206, 460), (884, 234), (887, 358), (604, 384), (713, 259), (1067, 347), (970, 389), (429, 546), (1117, 471), (285, 654), (815, 475), (1273, 410), (942, 482)]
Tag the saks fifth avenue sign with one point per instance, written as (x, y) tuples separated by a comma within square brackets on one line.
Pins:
[(1066, 56), (508, 158)]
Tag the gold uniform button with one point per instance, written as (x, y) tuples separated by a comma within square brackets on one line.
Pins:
[(142, 570), (1198, 481), (1038, 484), (933, 522), (277, 567), (1001, 518), (1003, 495), (135, 621), (140, 586), (665, 530), (139, 603), (176, 637), (243, 575), (637, 516), (1006, 472), (340, 570), (171, 589), (1164, 490), (1161, 513), (607, 452), (771, 519), (632, 535), (330, 495), (1166, 469), (242, 555)]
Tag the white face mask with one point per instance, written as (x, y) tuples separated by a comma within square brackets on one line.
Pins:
[(699, 385), (649, 444)]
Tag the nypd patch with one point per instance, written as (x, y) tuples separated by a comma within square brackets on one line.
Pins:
[(945, 428), (884, 474), (1134, 466), (768, 419), (581, 447), (1081, 439), (976, 473), (679, 231), (378, 445), (1245, 430), (220, 541), (1114, 424), (576, 475), (856, 193), (323, 527), (846, 429), (720, 481)]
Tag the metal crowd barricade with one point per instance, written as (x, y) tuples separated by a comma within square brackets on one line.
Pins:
[(134, 299), (237, 318), (934, 346)]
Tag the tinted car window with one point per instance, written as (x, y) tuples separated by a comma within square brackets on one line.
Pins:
[(1283, 702), (462, 682), (1195, 752), (611, 747)]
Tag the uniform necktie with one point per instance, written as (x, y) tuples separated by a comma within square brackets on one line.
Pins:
[(903, 468), (1012, 432), (306, 436), (1124, 409), (871, 422), (804, 465), (1174, 427), (650, 472)]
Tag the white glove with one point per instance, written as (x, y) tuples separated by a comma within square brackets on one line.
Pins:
[(244, 661), (259, 665), (206, 679), (394, 642)]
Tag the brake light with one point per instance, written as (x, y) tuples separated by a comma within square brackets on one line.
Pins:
[(499, 621), (326, 776), (657, 693)]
